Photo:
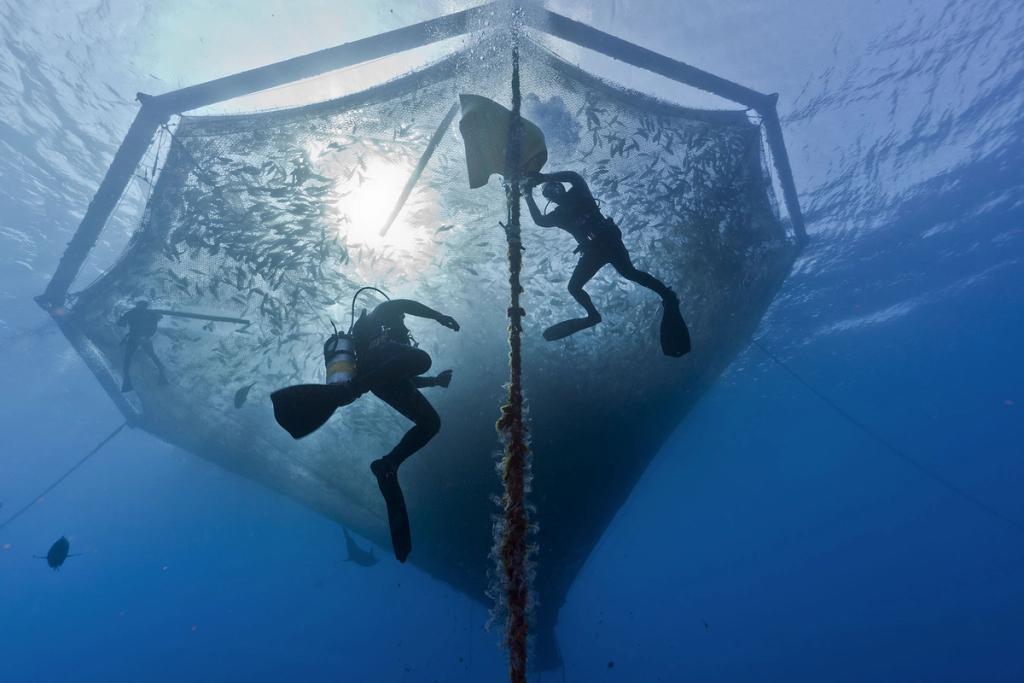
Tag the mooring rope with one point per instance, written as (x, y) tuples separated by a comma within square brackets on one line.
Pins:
[(889, 446), (513, 541), (64, 476)]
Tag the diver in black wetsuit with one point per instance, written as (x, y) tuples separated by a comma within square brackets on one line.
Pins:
[(141, 323), (599, 240), (391, 368)]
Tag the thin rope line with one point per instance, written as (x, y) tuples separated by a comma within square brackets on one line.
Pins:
[(64, 476), (889, 446)]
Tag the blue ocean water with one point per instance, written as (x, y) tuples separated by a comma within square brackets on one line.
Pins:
[(772, 539)]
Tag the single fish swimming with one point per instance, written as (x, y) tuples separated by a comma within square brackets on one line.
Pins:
[(242, 394), (356, 554), (57, 554)]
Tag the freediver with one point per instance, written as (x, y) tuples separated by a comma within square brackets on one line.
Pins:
[(392, 368), (599, 243), (141, 323)]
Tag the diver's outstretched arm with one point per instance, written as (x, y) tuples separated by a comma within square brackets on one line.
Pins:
[(561, 177), (443, 379), (415, 308), (571, 177), (544, 221)]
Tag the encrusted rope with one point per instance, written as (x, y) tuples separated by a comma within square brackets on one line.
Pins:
[(513, 542)]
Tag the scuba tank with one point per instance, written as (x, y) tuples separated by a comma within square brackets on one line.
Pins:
[(340, 360), (340, 357)]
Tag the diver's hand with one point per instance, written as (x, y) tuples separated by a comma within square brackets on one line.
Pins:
[(532, 180), (444, 378), (448, 322)]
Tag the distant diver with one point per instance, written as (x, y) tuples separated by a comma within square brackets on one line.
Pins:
[(377, 355), (600, 243), (142, 325)]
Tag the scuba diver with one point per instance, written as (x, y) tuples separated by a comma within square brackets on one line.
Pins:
[(141, 323), (599, 242), (377, 355)]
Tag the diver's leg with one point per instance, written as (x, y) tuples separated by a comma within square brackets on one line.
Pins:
[(408, 401), (675, 337), (129, 351), (593, 260), (390, 364), (624, 265), (590, 262), (147, 346)]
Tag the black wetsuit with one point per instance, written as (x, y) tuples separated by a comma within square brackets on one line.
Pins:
[(142, 325), (599, 239), (391, 367)]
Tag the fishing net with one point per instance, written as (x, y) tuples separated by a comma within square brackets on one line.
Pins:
[(276, 216)]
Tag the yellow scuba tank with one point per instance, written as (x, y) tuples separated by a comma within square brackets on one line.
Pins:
[(340, 358), (340, 361)]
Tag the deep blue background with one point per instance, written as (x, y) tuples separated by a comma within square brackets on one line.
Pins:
[(771, 540)]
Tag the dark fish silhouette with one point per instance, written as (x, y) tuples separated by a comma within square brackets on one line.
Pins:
[(57, 554), (242, 394), (356, 554)]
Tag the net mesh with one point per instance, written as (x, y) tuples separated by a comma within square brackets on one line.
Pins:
[(275, 217)]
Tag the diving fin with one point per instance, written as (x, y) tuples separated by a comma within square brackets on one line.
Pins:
[(675, 337), (568, 327), (398, 517), (305, 408)]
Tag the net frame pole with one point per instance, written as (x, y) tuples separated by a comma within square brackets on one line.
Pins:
[(157, 110), (621, 50), (329, 59), (777, 145), (591, 38), (201, 316), (421, 165), (127, 158)]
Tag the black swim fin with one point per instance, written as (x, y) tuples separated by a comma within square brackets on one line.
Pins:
[(569, 327), (305, 408), (398, 516), (675, 337)]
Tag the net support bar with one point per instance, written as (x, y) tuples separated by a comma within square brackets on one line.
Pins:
[(330, 59), (624, 51), (157, 110), (773, 133), (121, 170), (640, 57), (435, 140), (202, 316)]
